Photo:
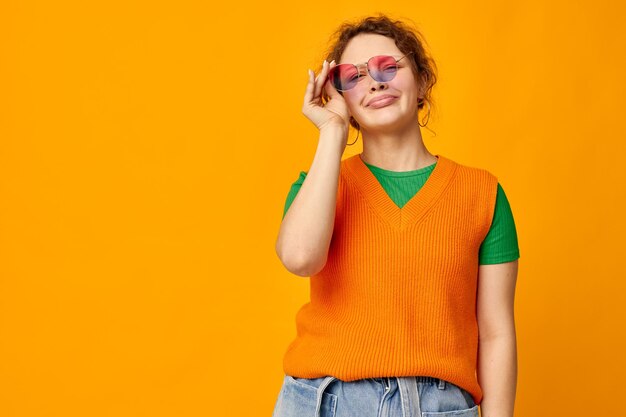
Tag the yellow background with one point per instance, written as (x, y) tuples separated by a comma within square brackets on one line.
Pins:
[(147, 148)]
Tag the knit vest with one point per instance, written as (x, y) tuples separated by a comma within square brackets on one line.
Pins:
[(397, 295)]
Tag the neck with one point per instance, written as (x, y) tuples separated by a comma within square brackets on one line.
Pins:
[(399, 150)]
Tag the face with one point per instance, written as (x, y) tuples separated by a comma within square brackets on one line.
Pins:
[(404, 86)]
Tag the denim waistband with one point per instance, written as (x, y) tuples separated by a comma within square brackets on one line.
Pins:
[(406, 386), (320, 390), (417, 378)]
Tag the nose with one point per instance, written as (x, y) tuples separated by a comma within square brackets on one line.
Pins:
[(374, 85), (377, 85)]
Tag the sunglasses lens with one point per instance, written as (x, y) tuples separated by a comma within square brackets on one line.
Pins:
[(383, 68), (344, 76)]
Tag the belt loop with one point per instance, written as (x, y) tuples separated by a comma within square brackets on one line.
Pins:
[(320, 391), (442, 384)]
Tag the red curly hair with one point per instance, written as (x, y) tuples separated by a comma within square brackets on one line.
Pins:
[(407, 39)]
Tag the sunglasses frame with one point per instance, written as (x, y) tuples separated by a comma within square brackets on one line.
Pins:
[(332, 72)]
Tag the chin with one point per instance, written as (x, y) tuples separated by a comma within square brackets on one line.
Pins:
[(377, 122)]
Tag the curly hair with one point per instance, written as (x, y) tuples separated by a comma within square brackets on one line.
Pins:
[(407, 39)]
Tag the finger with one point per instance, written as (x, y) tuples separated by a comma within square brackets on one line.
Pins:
[(331, 90), (319, 84), (324, 63), (329, 87)]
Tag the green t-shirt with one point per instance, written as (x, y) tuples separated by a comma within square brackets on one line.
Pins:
[(499, 246)]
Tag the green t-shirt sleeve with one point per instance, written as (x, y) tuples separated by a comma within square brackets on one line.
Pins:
[(500, 245), (293, 191)]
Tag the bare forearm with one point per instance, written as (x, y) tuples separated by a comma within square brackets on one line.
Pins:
[(497, 375), (306, 229)]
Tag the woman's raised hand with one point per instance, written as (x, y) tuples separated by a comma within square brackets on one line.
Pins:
[(335, 111)]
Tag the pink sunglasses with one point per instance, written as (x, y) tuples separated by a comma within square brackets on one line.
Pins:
[(381, 68)]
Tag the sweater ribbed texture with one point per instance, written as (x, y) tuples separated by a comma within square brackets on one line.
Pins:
[(397, 296)]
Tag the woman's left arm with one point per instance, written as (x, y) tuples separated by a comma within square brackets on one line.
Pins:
[(497, 347)]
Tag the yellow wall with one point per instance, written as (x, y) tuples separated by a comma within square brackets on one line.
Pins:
[(147, 148)]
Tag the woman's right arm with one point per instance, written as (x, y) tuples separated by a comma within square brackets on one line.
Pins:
[(307, 228)]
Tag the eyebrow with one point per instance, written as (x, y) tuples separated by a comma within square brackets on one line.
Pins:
[(363, 63)]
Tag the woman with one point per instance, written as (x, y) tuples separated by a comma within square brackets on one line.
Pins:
[(409, 254)]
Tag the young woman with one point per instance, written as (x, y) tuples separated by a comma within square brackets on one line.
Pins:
[(412, 257)]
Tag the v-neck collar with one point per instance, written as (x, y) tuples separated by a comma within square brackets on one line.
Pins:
[(416, 207)]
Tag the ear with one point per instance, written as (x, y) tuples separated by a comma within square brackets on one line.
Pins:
[(422, 86), (420, 91)]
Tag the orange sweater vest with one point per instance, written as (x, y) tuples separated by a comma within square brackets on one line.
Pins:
[(397, 296)]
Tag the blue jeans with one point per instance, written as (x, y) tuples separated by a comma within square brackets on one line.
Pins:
[(420, 396)]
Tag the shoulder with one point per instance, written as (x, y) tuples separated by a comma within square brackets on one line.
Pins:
[(350, 168), (349, 161), (475, 174), (476, 183)]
